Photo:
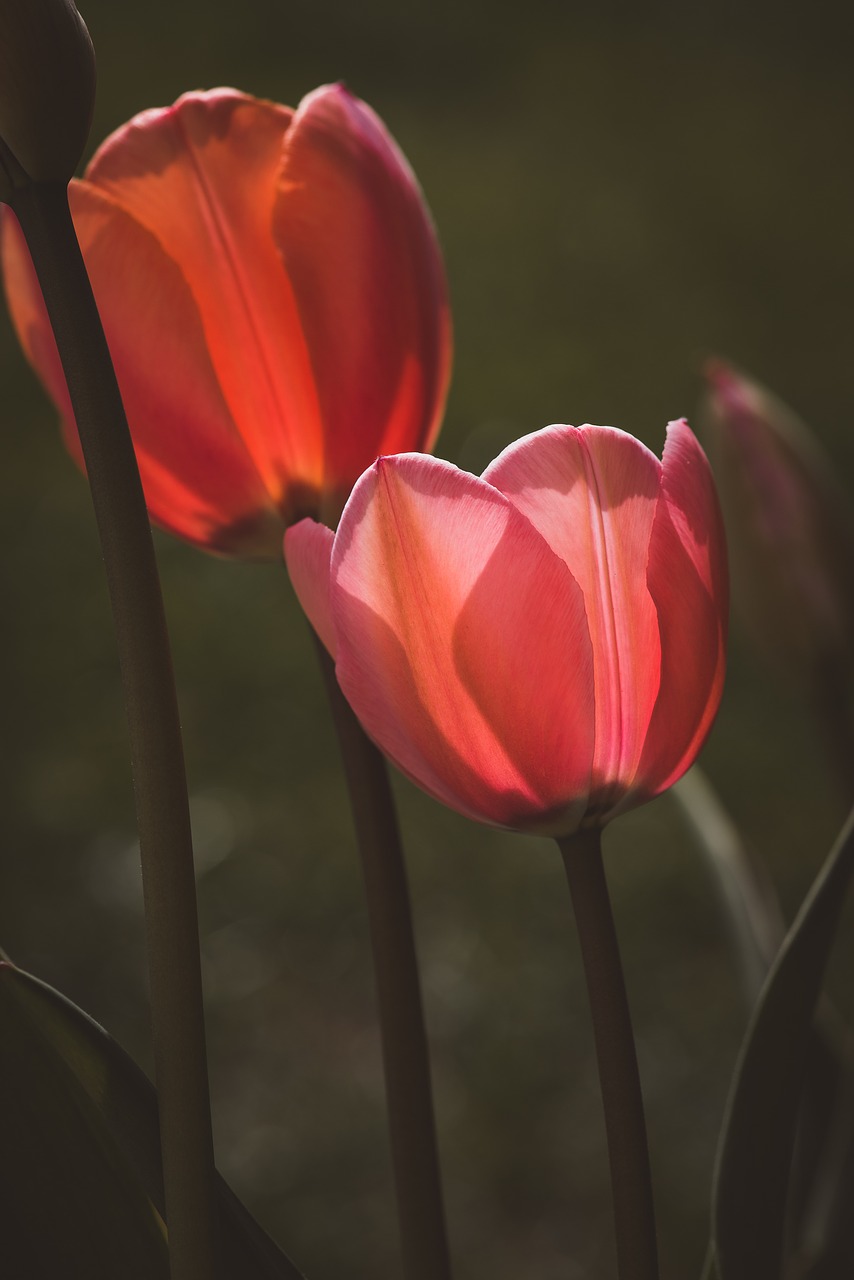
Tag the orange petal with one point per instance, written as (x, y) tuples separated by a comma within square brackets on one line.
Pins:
[(202, 177), (198, 479), (361, 253), (463, 645)]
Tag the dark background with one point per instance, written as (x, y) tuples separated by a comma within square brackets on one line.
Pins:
[(620, 190)]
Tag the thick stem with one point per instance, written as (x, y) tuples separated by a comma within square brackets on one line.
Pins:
[(404, 1041), (631, 1178), (155, 736)]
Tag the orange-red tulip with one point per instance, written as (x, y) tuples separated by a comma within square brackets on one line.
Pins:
[(274, 300), (542, 647)]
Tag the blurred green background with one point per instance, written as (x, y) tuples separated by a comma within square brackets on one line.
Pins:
[(620, 191)]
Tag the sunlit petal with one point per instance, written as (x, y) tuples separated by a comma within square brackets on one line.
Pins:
[(198, 478), (592, 493), (202, 176), (463, 645), (361, 254), (308, 548), (688, 582)]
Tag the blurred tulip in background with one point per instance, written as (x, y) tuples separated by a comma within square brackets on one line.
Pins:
[(791, 539)]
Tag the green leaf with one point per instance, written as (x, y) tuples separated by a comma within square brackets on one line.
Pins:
[(71, 1204), (752, 910), (121, 1105), (755, 1154)]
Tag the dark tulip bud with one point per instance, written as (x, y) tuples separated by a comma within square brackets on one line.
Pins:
[(789, 527), (47, 91), (791, 539)]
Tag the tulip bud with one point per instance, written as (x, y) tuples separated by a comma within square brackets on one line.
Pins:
[(791, 540), (790, 533), (47, 91)]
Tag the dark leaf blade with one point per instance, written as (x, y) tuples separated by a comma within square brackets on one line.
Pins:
[(70, 1203), (125, 1102), (752, 911), (754, 1158)]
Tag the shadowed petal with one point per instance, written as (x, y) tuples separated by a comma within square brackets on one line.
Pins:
[(688, 581), (463, 646), (592, 494), (360, 250), (24, 299), (308, 548)]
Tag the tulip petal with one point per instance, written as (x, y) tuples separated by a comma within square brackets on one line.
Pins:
[(592, 494), (24, 298), (199, 480), (463, 645), (202, 176), (308, 550), (361, 253), (688, 582)]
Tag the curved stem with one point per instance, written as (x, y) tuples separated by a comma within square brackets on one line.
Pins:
[(155, 736), (631, 1178), (406, 1059)]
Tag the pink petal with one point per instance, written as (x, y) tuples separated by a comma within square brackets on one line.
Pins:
[(592, 494), (463, 645), (688, 581), (361, 253), (202, 176), (308, 548)]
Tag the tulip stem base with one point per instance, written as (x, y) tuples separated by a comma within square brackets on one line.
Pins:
[(631, 1178), (159, 777), (405, 1051)]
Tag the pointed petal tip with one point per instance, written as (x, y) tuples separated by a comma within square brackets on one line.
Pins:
[(335, 94), (679, 426), (680, 443), (729, 390), (714, 367)]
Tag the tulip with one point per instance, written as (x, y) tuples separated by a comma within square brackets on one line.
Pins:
[(274, 301), (792, 539), (540, 648), (790, 527)]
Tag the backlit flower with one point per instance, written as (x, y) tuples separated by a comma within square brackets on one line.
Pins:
[(274, 300), (541, 647)]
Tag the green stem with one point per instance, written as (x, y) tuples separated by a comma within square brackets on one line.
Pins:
[(155, 737), (631, 1178), (404, 1041)]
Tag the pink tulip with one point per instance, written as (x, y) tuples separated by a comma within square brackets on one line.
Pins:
[(542, 647), (274, 301)]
